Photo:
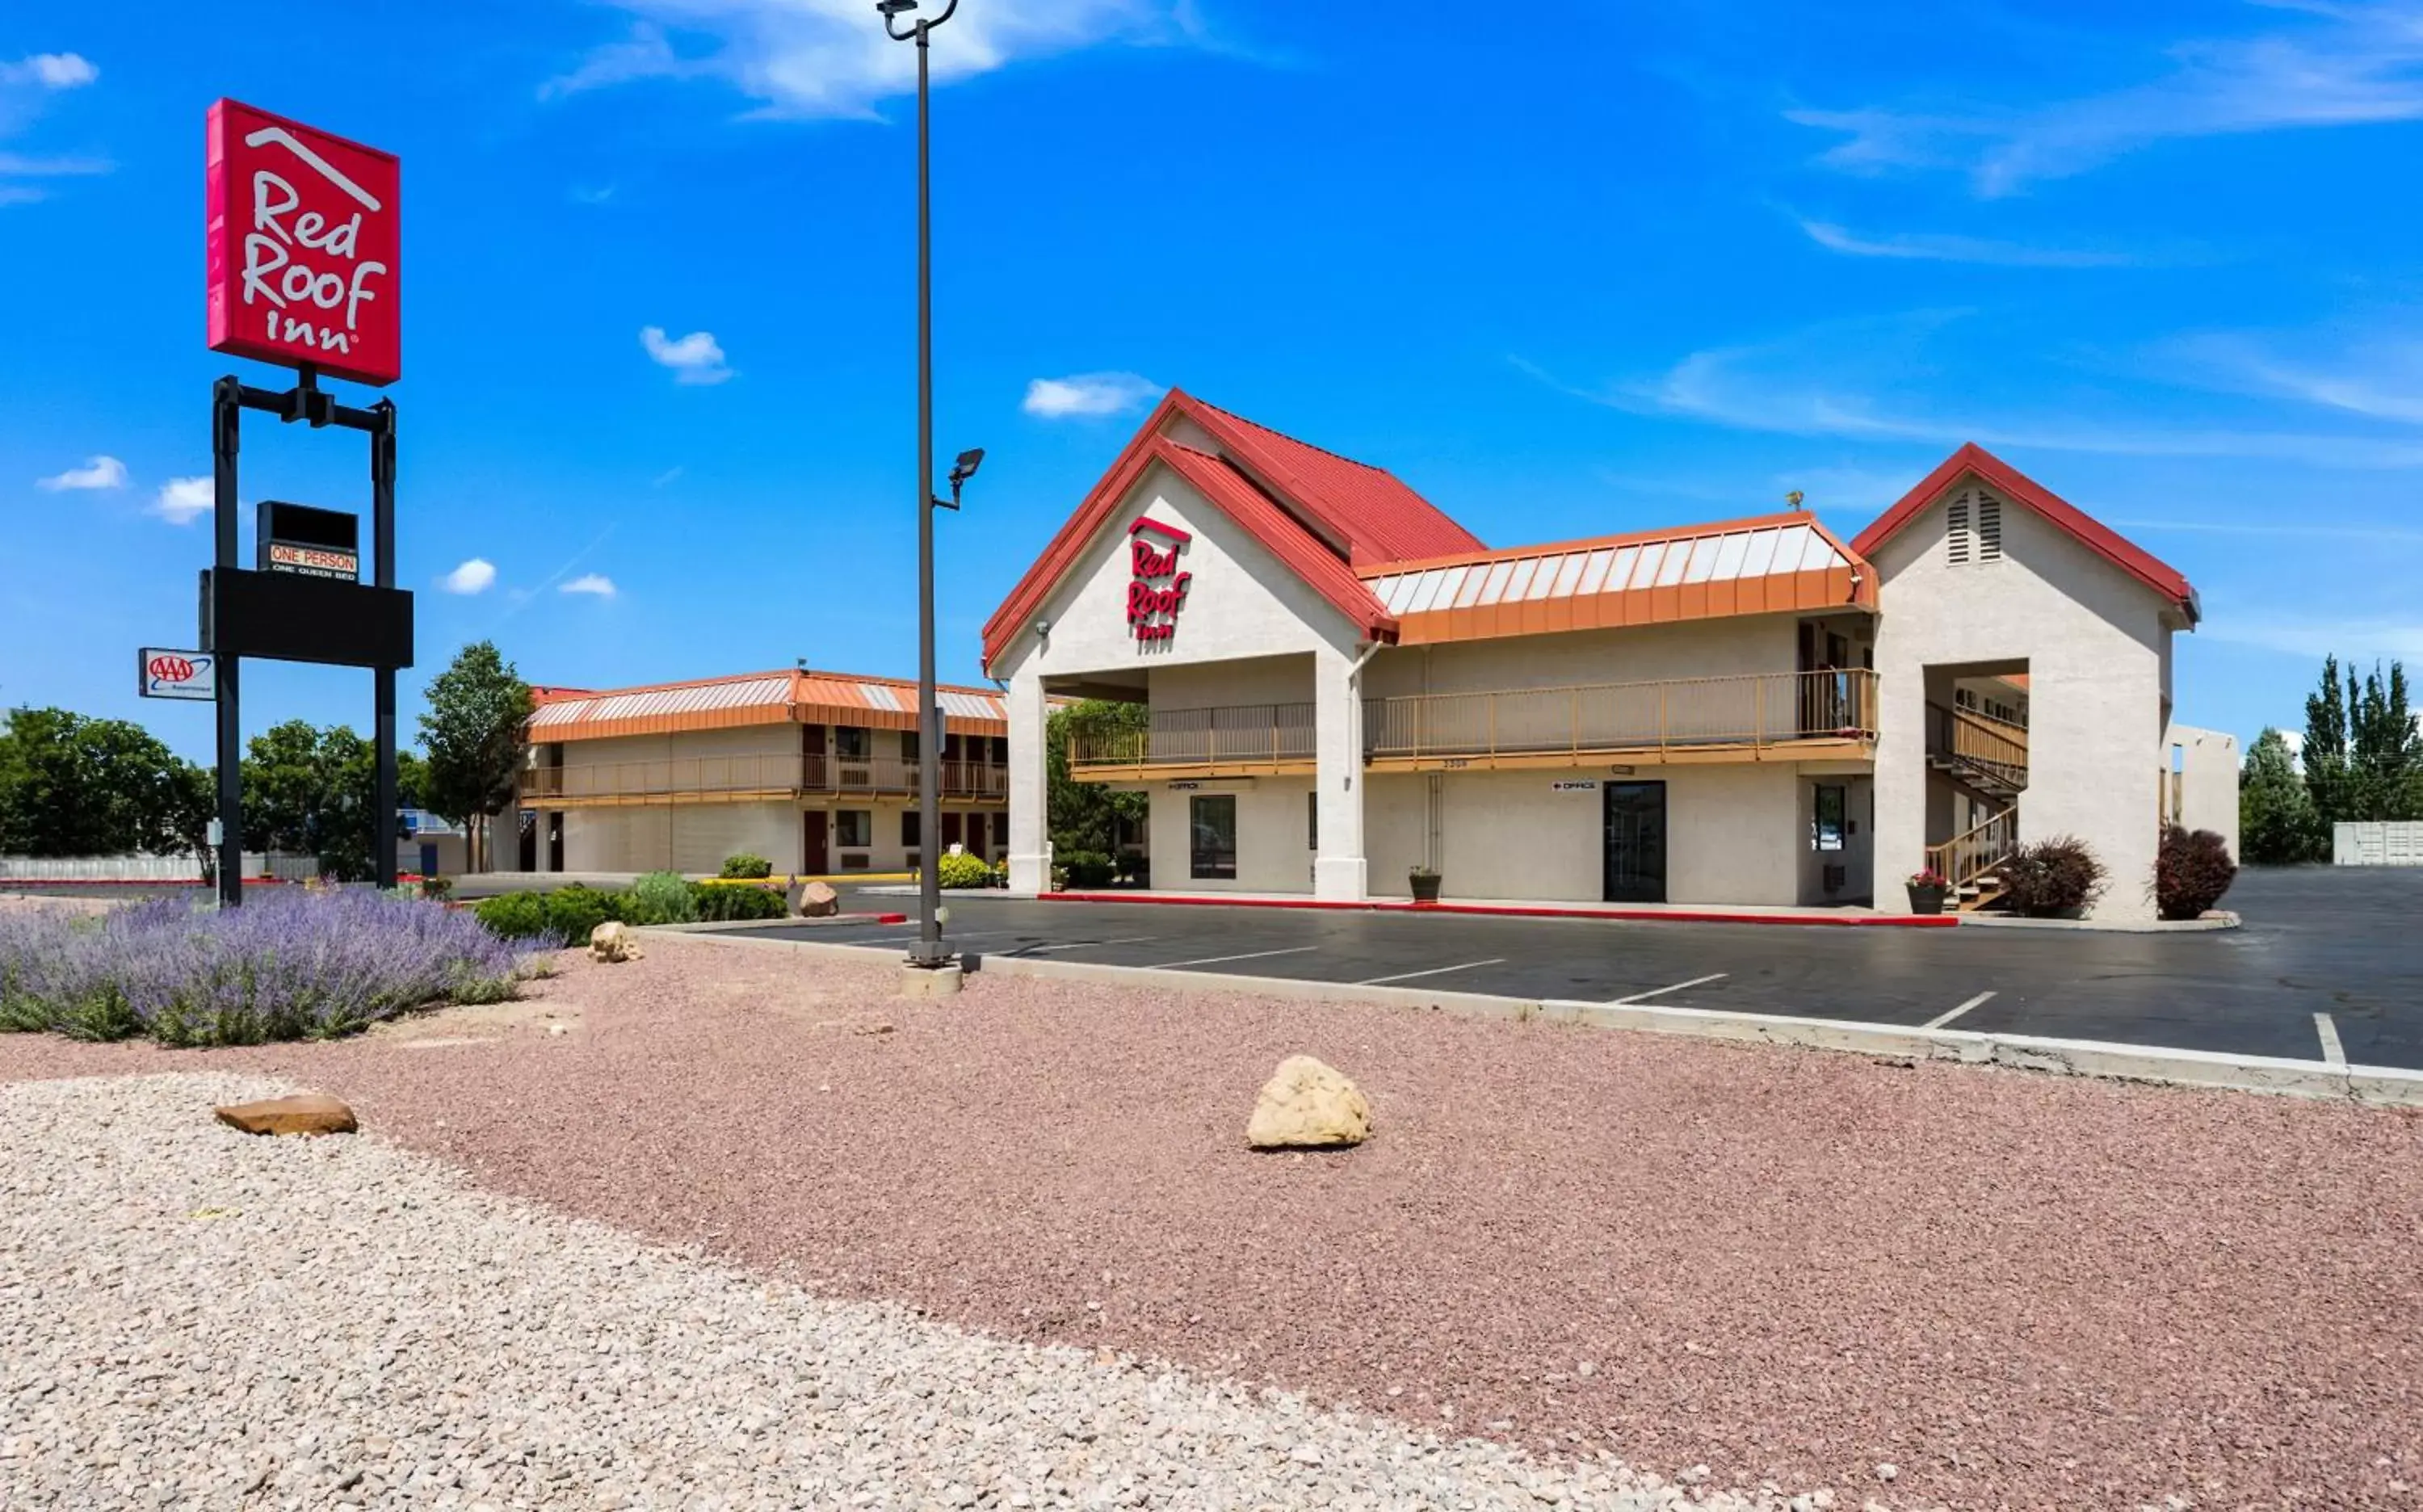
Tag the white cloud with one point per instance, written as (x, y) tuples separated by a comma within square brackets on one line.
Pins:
[(183, 499), (50, 71), (1089, 395), (694, 359), (2337, 65), (591, 583), (97, 472), (831, 57), (472, 577), (1934, 248), (2379, 379), (1877, 380), (2354, 642)]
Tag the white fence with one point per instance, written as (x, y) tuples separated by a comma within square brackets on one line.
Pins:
[(148, 868), (2378, 843)]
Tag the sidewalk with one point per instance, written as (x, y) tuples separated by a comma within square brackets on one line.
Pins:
[(1839, 915)]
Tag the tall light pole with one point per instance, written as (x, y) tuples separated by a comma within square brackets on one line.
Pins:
[(929, 951)]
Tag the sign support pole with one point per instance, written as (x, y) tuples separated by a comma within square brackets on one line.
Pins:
[(226, 412), (383, 542)]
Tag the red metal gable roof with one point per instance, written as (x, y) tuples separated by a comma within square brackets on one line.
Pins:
[(1304, 555), (2012, 484), (1301, 502), (1378, 517)]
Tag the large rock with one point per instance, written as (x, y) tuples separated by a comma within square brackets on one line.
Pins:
[(818, 900), (1308, 1105), (612, 941), (311, 1113)]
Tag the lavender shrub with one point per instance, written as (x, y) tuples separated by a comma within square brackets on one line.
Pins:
[(292, 965)]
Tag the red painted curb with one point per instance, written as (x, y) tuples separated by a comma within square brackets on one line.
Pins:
[(1629, 915)]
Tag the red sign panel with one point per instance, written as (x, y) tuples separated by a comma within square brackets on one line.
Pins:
[(303, 244), (1158, 590)]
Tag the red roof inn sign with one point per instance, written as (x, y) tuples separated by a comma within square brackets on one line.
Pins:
[(1158, 590), (303, 245)]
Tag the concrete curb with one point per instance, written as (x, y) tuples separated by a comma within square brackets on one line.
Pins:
[(2218, 919), (825, 921), (1810, 919), (2368, 1086)]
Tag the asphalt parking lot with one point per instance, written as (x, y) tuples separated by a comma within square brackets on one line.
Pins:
[(2339, 943)]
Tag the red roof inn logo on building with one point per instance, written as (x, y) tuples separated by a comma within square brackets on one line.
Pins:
[(1158, 591), (303, 244)]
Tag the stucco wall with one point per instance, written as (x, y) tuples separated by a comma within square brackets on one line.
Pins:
[(1273, 856), (2094, 645), (1241, 605), (2208, 762), (683, 838), (1703, 648)]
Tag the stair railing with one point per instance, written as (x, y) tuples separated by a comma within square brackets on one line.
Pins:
[(1963, 858)]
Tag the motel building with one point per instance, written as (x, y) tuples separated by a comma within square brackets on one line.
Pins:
[(818, 772), (1345, 684)]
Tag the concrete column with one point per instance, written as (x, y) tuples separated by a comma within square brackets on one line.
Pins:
[(1338, 869), (1030, 826), (1900, 838)]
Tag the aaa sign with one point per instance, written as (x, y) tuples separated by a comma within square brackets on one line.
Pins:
[(303, 243)]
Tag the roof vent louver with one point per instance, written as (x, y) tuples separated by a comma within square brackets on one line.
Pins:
[(1989, 528), (1958, 532)]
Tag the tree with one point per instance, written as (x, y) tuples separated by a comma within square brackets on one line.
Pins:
[(2364, 754), (309, 791), (71, 786), (1085, 816), (473, 733), (2277, 822), (2326, 746)]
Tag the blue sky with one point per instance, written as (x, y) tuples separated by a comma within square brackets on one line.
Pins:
[(1566, 271)]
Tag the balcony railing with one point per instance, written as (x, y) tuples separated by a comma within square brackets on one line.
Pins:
[(1995, 747), (1241, 739), (1686, 716), (1690, 718), (706, 778)]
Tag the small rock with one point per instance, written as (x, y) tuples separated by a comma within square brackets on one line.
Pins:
[(1886, 1472), (1585, 1369), (1308, 1104), (311, 1113), (559, 1029), (878, 1027), (612, 941)]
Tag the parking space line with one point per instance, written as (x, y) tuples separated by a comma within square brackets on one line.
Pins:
[(1941, 1019), (1250, 955), (2332, 1052), (1660, 991), (1435, 971), (1082, 945)]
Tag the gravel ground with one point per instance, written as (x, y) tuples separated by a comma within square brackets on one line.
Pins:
[(201, 1319), (1795, 1267)]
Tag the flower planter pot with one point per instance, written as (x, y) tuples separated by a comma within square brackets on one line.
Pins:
[(1925, 899), (1426, 886)]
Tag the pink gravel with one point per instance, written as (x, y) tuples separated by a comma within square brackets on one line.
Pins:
[(2020, 1290)]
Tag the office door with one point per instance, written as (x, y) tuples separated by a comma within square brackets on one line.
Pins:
[(1635, 838)]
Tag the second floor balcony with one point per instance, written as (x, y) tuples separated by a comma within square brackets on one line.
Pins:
[(754, 779), (1793, 716)]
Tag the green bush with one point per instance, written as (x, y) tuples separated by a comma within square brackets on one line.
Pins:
[(723, 905), (576, 911), (1089, 869), (747, 867), (513, 916), (440, 888), (963, 871), (660, 897)]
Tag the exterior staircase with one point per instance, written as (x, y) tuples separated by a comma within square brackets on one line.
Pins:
[(1987, 758)]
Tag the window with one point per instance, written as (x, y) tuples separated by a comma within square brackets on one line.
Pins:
[(851, 742), (1213, 828), (1312, 819), (1000, 750), (853, 826), (911, 834), (909, 745), (1826, 828)]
